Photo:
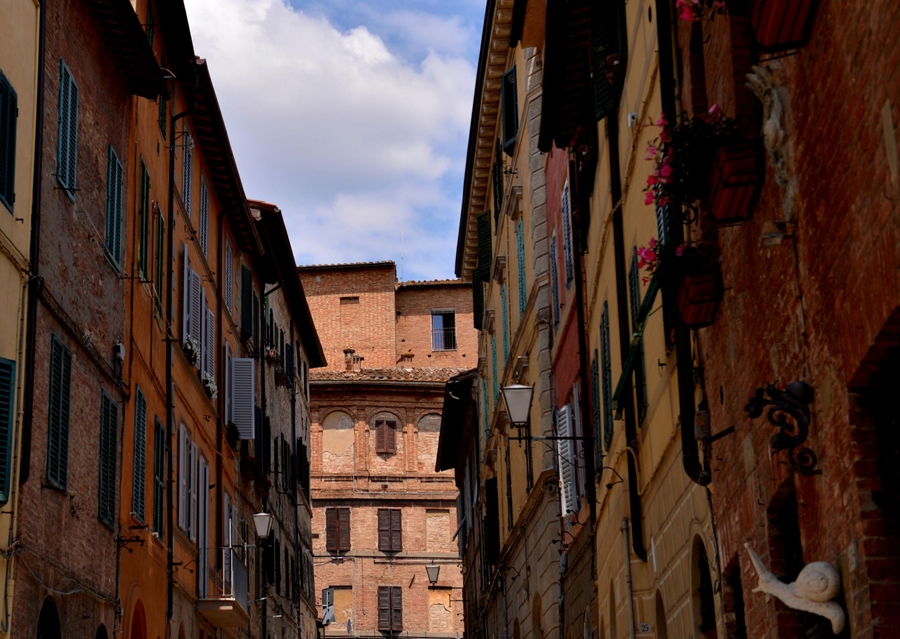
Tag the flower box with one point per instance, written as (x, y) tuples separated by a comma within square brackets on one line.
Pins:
[(699, 294), (736, 176), (781, 25)]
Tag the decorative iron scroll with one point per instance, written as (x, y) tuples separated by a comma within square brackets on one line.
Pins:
[(793, 402)]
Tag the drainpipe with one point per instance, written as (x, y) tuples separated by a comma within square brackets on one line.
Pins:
[(628, 587), (295, 584), (261, 353), (35, 283), (220, 404), (634, 500), (690, 456)]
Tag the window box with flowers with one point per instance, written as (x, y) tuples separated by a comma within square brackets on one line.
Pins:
[(191, 350), (233, 436), (250, 467), (209, 385), (693, 273)]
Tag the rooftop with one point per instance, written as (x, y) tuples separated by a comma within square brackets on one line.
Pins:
[(387, 375), (433, 283), (310, 267)]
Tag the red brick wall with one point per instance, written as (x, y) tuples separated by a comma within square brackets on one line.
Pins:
[(414, 306)]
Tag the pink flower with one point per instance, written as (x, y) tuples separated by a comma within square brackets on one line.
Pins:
[(652, 152), (714, 109), (652, 242), (649, 199), (645, 279), (665, 171), (662, 120), (679, 250)]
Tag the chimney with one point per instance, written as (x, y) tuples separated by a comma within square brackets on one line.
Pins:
[(348, 359)]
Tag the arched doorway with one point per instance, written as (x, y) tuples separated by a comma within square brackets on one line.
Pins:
[(48, 621), (101, 632), (662, 630), (138, 622), (704, 602)]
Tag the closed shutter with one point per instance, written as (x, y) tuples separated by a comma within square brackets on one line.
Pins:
[(193, 489), (509, 104), (187, 172), (163, 120), (331, 529), (566, 453), (67, 143), (380, 446), (140, 452), (606, 376), (210, 342), (160, 259), (197, 311), (567, 234), (520, 254), (477, 299), (484, 246), (150, 27), (343, 529), (159, 474), (186, 297), (596, 410), (601, 48), (227, 381), (496, 375), (183, 478), (504, 313), (204, 338), (9, 112), (384, 530), (229, 276), (246, 302), (204, 216), (554, 280), (7, 411), (144, 222), (108, 428), (58, 414), (396, 530), (256, 342), (640, 370), (203, 527), (227, 542), (498, 182), (114, 196), (384, 608), (396, 609), (289, 365)]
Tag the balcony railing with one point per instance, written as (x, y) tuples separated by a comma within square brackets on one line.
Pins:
[(228, 606), (443, 339)]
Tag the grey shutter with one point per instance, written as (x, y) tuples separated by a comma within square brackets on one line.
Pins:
[(204, 216), (140, 455), (193, 489), (204, 337), (567, 234), (211, 342), (566, 460), (227, 541), (243, 386), (229, 276), (186, 294), (187, 172), (182, 478), (196, 308), (159, 482), (227, 390), (7, 411)]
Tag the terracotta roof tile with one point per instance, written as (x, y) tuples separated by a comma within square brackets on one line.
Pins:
[(346, 264), (388, 375), (431, 283)]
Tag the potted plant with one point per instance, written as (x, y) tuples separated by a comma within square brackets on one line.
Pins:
[(263, 484), (191, 350), (271, 355), (250, 467), (695, 275), (209, 385), (232, 436)]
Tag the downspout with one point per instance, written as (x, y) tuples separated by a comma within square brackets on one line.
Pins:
[(295, 584), (628, 586), (690, 456), (220, 405), (34, 250), (261, 353), (634, 500)]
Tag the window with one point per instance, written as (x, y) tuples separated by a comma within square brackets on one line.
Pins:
[(640, 374), (202, 501), (504, 313), (385, 437), (606, 376), (9, 112), (554, 281), (160, 259), (58, 414), (390, 530), (187, 173), (485, 409), (242, 387), (510, 107), (565, 429), (246, 302), (163, 121), (115, 194), (443, 330), (208, 342), (204, 216), (159, 477), (144, 222), (229, 276), (567, 235), (496, 374), (492, 521), (7, 412), (520, 253), (106, 511), (187, 498), (140, 453), (194, 311), (390, 608), (337, 529), (67, 142), (150, 26)]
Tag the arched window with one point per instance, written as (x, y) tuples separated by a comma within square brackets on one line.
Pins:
[(138, 623), (48, 621), (387, 430), (702, 593), (662, 630), (428, 432), (337, 442)]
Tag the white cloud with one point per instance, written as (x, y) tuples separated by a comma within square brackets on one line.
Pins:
[(351, 141)]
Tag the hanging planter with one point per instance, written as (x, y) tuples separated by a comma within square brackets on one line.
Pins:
[(699, 294), (735, 180), (781, 25)]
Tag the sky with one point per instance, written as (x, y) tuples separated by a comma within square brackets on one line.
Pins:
[(352, 116)]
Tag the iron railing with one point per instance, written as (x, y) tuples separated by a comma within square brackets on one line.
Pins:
[(235, 580), (443, 339)]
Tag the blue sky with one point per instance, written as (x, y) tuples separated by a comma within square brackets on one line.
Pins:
[(352, 116)]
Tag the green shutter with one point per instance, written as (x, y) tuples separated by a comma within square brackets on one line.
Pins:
[(498, 183), (58, 414), (509, 105), (9, 112), (106, 507), (67, 143), (140, 455), (604, 92), (477, 299), (640, 369), (520, 254), (484, 246), (150, 26), (163, 122), (114, 196), (160, 258), (144, 222), (246, 301), (159, 472), (7, 413)]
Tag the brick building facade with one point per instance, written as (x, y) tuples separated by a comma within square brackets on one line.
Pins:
[(381, 514)]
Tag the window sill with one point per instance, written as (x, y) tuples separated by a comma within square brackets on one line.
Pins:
[(444, 350)]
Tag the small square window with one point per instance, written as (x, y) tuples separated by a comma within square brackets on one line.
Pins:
[(443, 330)]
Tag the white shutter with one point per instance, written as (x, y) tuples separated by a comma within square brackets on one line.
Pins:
[(566, 460), (227, 389), (204, 335), (182, 478), (186, 298), (203, 526), (229, 276), (211, 338), (243, 387), (192, 489), (204, 216), (227, 541), (577, 445), (196, 315)]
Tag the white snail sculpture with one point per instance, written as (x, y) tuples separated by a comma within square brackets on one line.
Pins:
[(816, 585)]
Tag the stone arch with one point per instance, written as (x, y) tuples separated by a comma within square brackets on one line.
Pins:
[(702, 598), (324, 413), (338, 439), (395, 413), (48, 621)]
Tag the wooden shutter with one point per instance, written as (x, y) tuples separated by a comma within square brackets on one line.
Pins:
[(114, 196), (197, 313), (606, 376), (144, 221), (396, 530), (246, 301), (477, 299), (509, 100), (203, 526), (289, 365), (380, 446), (227, 381), (108, 429), (396, 609), (9, 112), (603, 90), (229, 276), (67, 144), (160, 259), (210, 342), (567, 234), (243, 391), (564, 429), (182, 478), (193, 488), (163, 120), (204, 339), (390, 437), (343, 529), (186, 294), (204, 216), (159, 475), (331, 529), (554, 280), (187, 172), (227, 542), (58, 414), (384, 608), (140, 452), (384, 530), (484, 246), (7, 412), (520, 254), (498, 183)]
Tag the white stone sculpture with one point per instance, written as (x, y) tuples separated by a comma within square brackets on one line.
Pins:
[(816, 585)]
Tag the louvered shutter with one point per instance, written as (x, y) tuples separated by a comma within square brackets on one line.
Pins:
[(390, 438), (114, 195), (384, 530), (396, 609), (197, 311), (227, 381), (203, 527), (396, 530), (477, 299), (108, 428), (640, 370), (380, 446), (601, 49), (384, 608), (498, 181), (159, 482), (204, 216), (595, 409), (144, 221), (193, 488), (9, 112), (229, 276), (484, 246), (187, 172), (182, 478), (67, 144), (186, 294), (567, 234), (343, 529), (509, 100), (554, 280), (606, 376), (567, 460), (210, 342), (140, 455), (504, 314), (160, 259), (331, 530), (7, 411), (204, 339), (289, 365), (246, 301), (227, 541), (58, 414), (520, 255)]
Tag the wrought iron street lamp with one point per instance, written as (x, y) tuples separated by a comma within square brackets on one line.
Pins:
[(263, 523), (433, 572), (517, 399)]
